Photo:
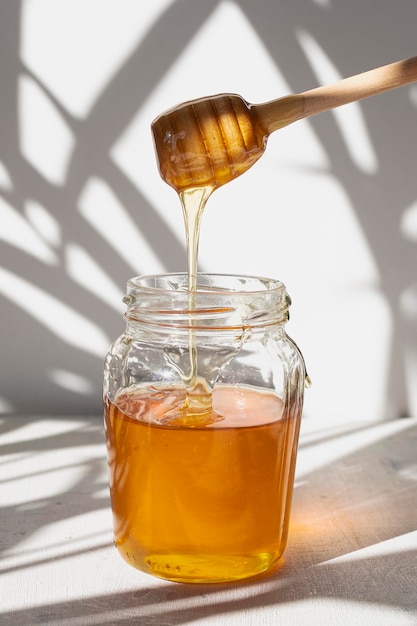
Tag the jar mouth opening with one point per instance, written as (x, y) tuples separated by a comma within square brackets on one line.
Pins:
[(220, 301), (210, 283)]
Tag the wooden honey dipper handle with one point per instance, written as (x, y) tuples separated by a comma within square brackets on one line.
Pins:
[(210, 141), (278, 113)]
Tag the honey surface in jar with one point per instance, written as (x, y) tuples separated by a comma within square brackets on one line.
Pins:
[(203, 504)]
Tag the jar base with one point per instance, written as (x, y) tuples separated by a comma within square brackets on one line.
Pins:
[(203, 569)]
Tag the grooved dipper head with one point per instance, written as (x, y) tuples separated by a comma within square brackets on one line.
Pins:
[(207, 142)]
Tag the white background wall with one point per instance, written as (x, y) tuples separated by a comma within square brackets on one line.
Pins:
[(331, 208)]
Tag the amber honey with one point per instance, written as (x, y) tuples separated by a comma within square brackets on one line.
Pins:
[(208, 142), (208, 503)]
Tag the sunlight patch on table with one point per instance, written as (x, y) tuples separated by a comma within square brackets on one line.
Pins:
[(396, 545), (317, 453)]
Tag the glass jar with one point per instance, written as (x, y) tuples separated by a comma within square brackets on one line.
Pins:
[(203, 396)]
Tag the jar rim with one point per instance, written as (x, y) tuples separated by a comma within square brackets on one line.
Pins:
[(248, 283), (222, 301)]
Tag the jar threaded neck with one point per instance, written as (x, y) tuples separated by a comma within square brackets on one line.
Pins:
[(220, 301)]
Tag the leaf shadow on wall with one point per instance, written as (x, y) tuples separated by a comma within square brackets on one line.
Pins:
[(380, 199)]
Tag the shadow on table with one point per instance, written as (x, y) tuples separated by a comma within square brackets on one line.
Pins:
[(338, 509), (22, 520)]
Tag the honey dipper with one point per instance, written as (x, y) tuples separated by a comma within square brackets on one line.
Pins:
[(209, 141)]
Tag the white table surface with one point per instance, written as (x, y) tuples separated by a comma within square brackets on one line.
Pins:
[(351, 557)]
